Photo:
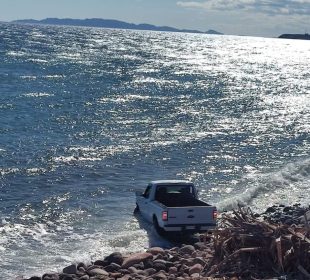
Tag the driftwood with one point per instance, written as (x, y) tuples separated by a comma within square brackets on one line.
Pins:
[(248, 248)]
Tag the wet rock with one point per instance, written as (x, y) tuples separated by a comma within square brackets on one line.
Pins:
[(195, 276), (139, 266), (50, 276), (148, 264), (32, 278), (82, 270), (115, 275), (271, 209), (125, 277), (115, 258), (84, 277), (160, 276), (305, 217), (200, 261), (156, 251), (113, 267), (136, 258), (173, 270), (67, 277), (81, 265), (124, 271), (187, 250), (197, 268), (150, 271), (101, 263), (71, 269), (287, 209), (97, 271), (200, 245), (133, 270), (159, 266)]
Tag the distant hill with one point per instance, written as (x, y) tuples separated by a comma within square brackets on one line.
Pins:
[(305, 36), (109, 23)]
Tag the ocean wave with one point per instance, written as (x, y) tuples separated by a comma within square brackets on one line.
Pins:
[(38, 94), (7, 171), (286, 185)]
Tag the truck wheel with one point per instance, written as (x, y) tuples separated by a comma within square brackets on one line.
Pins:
[(137, 209), (158, 229)]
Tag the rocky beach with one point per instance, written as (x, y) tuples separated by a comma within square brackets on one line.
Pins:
[(271, 245)]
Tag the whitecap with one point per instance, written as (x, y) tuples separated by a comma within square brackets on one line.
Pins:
[(37, 94)]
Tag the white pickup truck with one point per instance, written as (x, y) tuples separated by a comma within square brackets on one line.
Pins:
[(173, 205)]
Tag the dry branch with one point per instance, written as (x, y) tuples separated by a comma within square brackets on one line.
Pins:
[(244, 244)]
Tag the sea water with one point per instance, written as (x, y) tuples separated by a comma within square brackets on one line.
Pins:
[(88, 116)]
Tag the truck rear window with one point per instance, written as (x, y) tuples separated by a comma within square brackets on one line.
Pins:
[(169, 193)]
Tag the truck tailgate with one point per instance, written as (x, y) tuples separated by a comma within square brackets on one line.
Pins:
[(191, 215)]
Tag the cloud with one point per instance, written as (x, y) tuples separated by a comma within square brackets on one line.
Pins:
[(270, 7)]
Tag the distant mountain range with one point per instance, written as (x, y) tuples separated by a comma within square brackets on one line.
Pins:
[(110, 23), (305, 36)]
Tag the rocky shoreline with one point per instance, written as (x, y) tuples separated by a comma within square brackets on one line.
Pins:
[(205, 259)]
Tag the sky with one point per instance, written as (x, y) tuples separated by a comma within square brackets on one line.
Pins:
[(267, 18)]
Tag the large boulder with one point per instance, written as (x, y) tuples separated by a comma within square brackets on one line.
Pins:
[(115, 258), (136, 258), (71, 269)]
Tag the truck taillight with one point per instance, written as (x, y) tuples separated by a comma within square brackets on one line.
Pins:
[(214, 214), (164, 216)]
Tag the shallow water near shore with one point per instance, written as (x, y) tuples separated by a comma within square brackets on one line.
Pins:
[(88, 116)]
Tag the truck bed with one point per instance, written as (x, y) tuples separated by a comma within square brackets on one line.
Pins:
[(177, 200)]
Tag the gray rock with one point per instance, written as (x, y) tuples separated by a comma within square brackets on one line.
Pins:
[(160, 276), (150, 271), (199, 260), (173, 270), (195, 276), (115, 258), (156, 251), (124, 271), (101, 263), (67, 277), (112, 267), (187, 249), (125, 277), (159, 266), (50, 276), (97, 271), (136, 258), (197, 268), (200, 245), (81, 265), (71, 269), (84, 277), (271, 209), (148, 264), (139, 266)]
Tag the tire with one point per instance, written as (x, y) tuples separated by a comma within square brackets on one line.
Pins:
[(158, 229)]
